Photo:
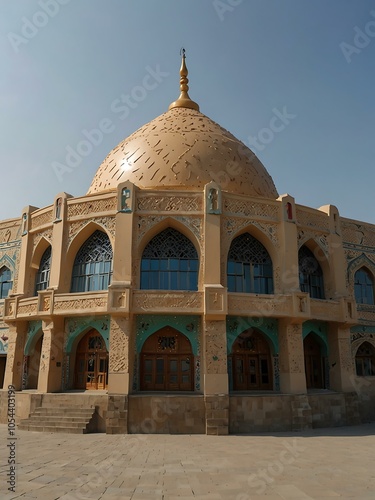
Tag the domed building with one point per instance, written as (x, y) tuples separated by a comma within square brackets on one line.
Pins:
[(183, 294)]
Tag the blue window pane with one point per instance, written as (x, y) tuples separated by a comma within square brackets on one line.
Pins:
[(231, 267), (231, 283), (174, 282), (193, 265), (174, 264), (154, 265), (145, 265), (170, 253), (184, 264)]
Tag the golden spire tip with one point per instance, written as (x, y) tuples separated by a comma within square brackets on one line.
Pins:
[(184, 100)]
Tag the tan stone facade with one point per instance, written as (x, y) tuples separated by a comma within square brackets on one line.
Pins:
[(278, 358)]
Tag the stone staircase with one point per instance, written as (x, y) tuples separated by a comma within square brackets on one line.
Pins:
[(72, 420)]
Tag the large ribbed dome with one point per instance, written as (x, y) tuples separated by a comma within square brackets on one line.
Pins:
[(183, 148)]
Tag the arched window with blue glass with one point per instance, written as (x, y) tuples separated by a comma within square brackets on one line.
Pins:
[(42, 276), (6, 282), (249, 266), (310, 274), (364, 287), (170, 262), (92, 268)]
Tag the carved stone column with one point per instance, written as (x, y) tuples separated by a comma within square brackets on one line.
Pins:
[(215, 377), (119, 375), (51, 358), (291, 358), (16, 344)]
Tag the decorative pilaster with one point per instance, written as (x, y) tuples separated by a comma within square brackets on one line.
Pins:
[(291, 358), (51, 359), (14, 368), (216, 377), (118, 380)]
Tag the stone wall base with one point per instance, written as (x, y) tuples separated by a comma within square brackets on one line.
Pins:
[(117, 414), (166, 414), (217, 414), (292, 412)]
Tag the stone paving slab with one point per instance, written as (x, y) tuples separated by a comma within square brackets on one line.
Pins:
[(322, 464)]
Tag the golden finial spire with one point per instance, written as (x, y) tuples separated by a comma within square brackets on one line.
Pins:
[(184, 100)]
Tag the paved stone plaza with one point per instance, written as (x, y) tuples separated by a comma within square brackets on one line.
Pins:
[(319, 464)]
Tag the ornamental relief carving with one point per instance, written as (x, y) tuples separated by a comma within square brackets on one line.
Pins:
[(368, 316), (119, 345), (230, 226), (9, 234), (24, 309), (309, 219), (46, 349), (80, 304), (346, 360), (358, 234), (107, 223), (263, 307), (145, 223), (42, 219), (292, 337), (147, 301), (92, 206), (250, 208), (215, 347), (47, 234), (319, 238), (165, 203)]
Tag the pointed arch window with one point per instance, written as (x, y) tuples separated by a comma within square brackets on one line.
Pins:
[(365, 360), (42, 276), (169, 262), (249, 267), (92, 268), (310, 274), (363, 287), (6, 282)]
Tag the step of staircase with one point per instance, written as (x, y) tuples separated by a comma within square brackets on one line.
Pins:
[(70, 420)]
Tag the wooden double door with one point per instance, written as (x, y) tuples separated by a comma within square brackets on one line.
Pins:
[(251, 362), (314, 363), (91, 372), (167, 362)]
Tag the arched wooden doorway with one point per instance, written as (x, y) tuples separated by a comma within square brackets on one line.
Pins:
[(91, 371), (167, 362), (251, 362), (313, 363)]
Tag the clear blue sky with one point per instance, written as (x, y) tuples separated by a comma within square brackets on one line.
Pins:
[(245, 60)]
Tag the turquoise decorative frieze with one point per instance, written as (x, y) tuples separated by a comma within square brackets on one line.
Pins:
[(75, 326), (148, 324), (238, 324), (320, 328), (32, 331)]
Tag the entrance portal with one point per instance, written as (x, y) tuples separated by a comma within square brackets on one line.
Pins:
[(251, 360), (167, 362), (91, 371), (313, 363)]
